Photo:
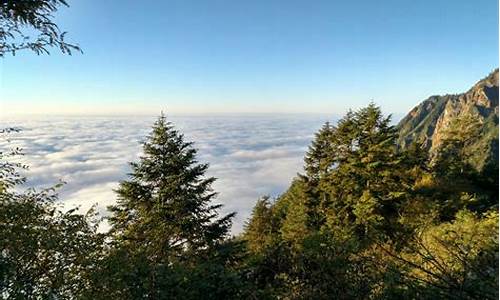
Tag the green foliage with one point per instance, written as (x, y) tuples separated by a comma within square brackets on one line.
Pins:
[(20, 19), (260, 230), (10, 170), (429, 122), (294, 227), (44, 253), (457, 260), (373, 217), (368, 180), (318, 159), (419, 124), (367, 220), (370, 220), (123, 274), (165, 221), (453, 155), (459, 182), (166, 204)]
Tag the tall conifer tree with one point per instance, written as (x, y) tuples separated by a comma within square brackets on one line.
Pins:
[(369, 179), (165, 208), (317, 163), (318, 158)]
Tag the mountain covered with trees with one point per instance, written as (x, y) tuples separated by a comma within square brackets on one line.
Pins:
[(429, 122), (371, 217), (380, 211), (370, 220)]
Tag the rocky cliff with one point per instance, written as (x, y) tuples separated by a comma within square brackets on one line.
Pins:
[(427, 122)]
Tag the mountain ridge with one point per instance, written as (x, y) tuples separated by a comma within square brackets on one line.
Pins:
[(427, 122)]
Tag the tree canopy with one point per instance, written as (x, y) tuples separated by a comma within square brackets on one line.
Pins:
[(366, 220), (30, 25)]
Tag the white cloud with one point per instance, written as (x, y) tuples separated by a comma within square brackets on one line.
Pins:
[(250, 155)]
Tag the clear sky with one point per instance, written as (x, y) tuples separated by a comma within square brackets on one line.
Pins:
[(195, 56)]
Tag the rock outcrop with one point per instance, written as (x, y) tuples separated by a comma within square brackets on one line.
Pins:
[(427, 122)]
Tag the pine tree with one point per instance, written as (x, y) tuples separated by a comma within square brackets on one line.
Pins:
[(453, 156), (368, 181), (300, 214), (164, 214), (166, 205), (460, 179), (259, 232), (318, 157), (318, 160)]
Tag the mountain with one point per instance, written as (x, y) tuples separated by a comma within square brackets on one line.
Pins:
[(428, 121)]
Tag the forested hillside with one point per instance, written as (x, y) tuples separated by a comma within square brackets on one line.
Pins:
[(429, 122), (380, 211), (367, 219)]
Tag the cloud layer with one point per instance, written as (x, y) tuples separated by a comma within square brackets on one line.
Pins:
[(250, 155)]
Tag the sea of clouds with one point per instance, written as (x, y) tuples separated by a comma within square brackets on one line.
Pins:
[(250, 156)]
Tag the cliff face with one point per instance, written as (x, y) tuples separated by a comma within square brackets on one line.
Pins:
[(427, 122)]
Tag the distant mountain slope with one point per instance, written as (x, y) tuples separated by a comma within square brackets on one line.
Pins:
[(426, 122)]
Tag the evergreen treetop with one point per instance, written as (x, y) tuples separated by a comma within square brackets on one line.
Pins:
[(166, 204)]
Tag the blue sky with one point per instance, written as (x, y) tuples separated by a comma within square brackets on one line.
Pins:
[(255, 56)]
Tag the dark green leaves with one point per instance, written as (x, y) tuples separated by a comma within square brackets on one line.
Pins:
[(19, 18)]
